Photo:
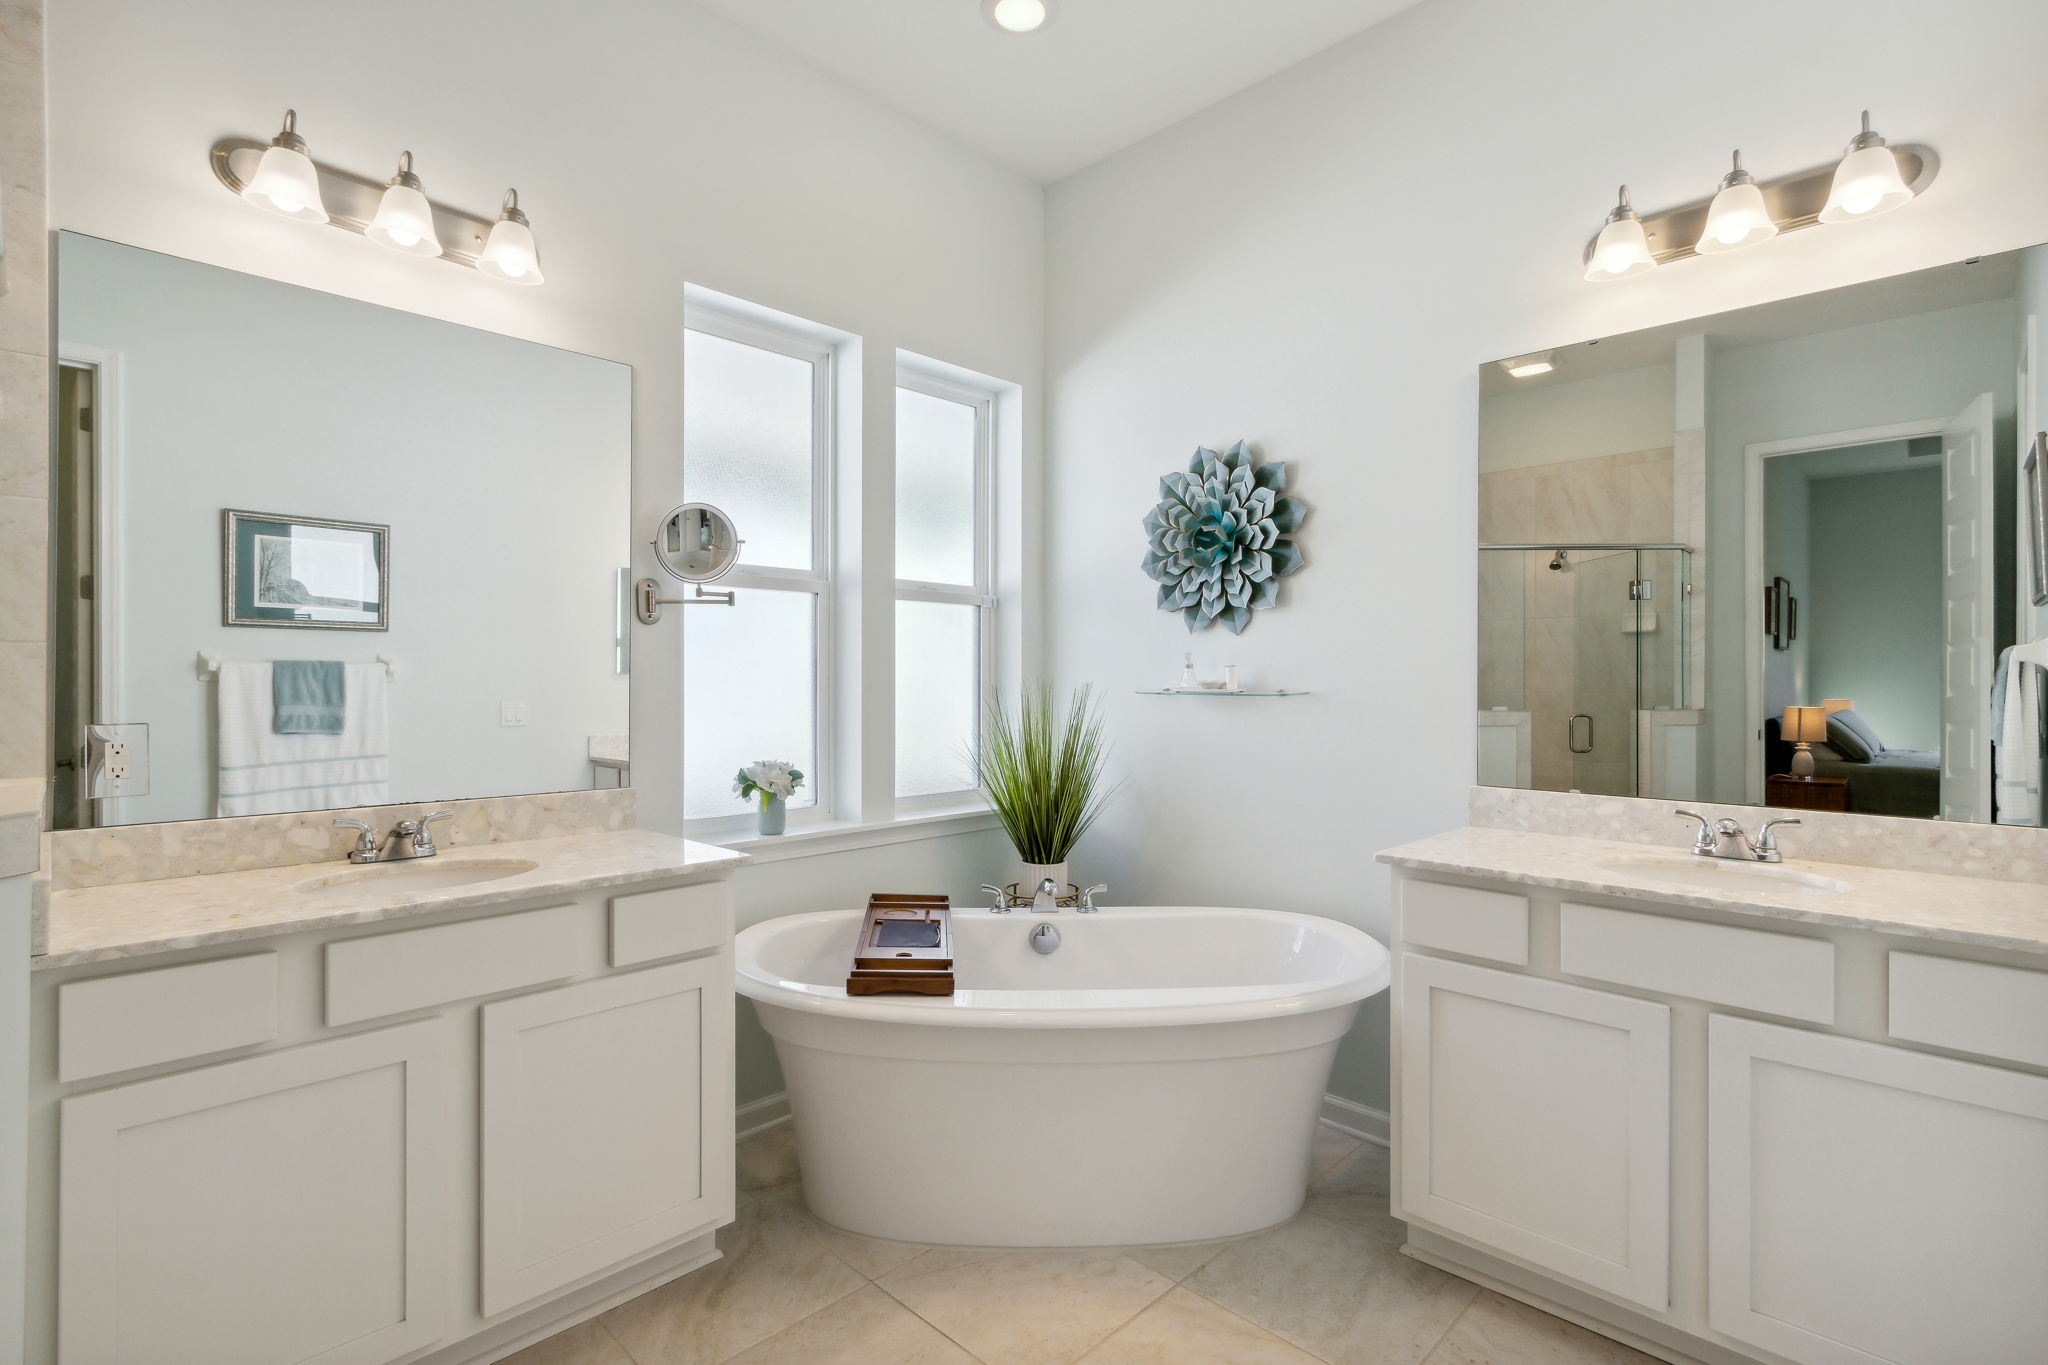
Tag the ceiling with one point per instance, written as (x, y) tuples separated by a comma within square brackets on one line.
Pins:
[(1100, 76)]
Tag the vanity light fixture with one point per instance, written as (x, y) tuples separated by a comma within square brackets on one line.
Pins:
[(286, 182), (1622, 249), (1531, 365), (405, 220), (1867, 182), (509, 255), (1737, 218), (1018, 16)]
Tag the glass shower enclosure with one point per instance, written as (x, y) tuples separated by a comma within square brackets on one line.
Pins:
[(1578, 645)]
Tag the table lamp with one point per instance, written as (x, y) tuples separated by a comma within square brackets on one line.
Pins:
[(1804, 727)]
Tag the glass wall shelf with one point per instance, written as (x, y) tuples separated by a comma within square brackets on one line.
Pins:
[(1219, 692)]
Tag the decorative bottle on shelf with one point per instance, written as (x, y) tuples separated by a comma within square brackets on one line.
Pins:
[(1188, 681)]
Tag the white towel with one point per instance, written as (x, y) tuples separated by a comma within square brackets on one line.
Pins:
[(2017, 758), (262, 772)]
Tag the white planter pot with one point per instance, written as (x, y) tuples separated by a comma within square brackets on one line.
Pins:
[(1029, 875)]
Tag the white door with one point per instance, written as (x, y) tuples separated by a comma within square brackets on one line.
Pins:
[(1967, 522), (285, 1209), (1536, 1119), (1873, 1206), (607, 1124)]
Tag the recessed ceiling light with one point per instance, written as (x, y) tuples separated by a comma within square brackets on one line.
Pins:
[(1529, 366), (1017, 16)]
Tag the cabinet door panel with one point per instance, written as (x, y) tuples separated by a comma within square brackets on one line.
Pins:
[(282, 1208), (1873, 1206), (607, 1123), (1535, 1118)]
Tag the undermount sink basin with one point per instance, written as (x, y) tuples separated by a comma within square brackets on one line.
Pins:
[(1709, 874), (402, 879)]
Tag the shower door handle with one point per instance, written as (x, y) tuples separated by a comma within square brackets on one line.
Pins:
[(1571, 734)]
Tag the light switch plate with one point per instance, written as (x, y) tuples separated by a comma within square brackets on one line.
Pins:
[(511, 713), (117, 760)]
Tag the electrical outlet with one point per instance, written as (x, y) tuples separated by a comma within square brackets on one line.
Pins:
[(116, 760), (511, 713)]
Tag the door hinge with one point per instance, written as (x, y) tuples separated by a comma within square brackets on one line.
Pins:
[(1642, 590), (85, 587), (85, 419)]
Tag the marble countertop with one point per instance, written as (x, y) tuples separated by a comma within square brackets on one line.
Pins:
[(1974, 910), (135, 919)]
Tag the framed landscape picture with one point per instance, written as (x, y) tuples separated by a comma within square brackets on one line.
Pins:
[(304, 571)]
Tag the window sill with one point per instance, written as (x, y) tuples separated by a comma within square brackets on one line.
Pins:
[(842, 836)]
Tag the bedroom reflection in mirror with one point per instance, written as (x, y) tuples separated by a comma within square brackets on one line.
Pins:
[(1813, 508)]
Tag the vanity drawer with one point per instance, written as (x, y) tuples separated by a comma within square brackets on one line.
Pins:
[(391, 973), (1970, 1006), (1463, 919), (672, 922), (117, 1023), (1750, 969)]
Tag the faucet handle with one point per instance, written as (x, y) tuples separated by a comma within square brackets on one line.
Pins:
[(1704, 840), (423, 837), (1766, 842), (1002, 899), (1087, 906), (366, 837)]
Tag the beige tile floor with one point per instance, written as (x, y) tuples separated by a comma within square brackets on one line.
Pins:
[(1327, 1288)]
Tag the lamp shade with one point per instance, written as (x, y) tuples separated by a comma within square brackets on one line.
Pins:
[(1834, 704), (286, 181), (1804, 725), (509, 254), (1736, 219), (1867, 182), (1622, 251), (405, 221)]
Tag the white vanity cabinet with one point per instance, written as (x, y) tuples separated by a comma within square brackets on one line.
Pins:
[(1723, 1136), (422, 1140)]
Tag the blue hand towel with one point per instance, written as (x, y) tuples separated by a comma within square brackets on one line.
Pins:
[(308, 696)]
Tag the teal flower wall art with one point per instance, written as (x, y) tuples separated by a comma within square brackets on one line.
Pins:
[(1222, 537)]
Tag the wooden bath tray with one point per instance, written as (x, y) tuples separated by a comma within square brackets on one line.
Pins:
[(905, 947)]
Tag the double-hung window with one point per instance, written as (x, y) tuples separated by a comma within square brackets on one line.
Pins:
[(757, 443), (944, 571)]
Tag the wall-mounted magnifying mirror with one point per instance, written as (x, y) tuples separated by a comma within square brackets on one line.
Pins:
[(697, 544)]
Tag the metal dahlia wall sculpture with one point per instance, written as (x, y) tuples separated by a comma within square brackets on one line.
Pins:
[(1221, 538)]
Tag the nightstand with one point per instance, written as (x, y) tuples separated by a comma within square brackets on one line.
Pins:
[(1806, 793)]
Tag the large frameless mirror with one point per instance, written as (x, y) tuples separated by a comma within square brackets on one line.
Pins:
[(1779, 556), (309, 552)]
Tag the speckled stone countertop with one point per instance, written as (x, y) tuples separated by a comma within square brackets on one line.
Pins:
[(1974, 910), (136, 919)]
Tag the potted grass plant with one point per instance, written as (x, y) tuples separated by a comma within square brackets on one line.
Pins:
[(1043, 772)]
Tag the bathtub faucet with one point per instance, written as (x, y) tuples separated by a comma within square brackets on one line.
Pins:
[(1046, 900)]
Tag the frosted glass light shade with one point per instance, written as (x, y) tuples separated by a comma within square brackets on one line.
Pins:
[(405, 222), (1621, 251), (509, 254), (1736, 219), (1866, 184), (286, 183)]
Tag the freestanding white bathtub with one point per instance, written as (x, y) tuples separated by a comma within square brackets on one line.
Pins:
[(1155, 1079)]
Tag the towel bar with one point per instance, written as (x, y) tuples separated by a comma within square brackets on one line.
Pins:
[(209, 664)]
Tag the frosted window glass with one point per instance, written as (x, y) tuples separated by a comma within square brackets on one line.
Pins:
[(749, 693), (934, 489), (747, 424), (938, 695)]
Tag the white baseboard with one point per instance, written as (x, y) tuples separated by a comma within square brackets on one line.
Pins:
[(1357, 1120), (758, 1116)]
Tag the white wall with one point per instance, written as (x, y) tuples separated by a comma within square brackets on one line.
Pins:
[(501, 467), (1321, 262), (652, 145), (1576, 419)]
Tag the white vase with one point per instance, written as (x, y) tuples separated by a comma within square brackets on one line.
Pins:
[(1029, 875)]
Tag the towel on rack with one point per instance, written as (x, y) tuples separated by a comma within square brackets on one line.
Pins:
[(308, 696), (263, 772), (2016, 700)]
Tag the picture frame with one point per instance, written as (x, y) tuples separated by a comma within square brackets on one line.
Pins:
[(307, 572), (1780, 614), (2036, 513)]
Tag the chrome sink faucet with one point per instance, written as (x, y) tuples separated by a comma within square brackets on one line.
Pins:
[(1725, 838), (408, 839)]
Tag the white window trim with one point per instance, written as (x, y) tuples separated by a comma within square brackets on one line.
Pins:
[(980, 593), (817, 580)]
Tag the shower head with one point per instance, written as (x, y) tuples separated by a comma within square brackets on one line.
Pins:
[(1559, 560)]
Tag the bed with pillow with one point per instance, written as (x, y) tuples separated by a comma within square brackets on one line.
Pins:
[(1882, 781)]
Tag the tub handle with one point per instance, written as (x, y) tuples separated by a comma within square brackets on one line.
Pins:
[(1087, 906), (1002, 899)]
